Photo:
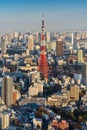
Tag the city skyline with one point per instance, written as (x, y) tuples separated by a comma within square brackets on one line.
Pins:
[(25, 15)]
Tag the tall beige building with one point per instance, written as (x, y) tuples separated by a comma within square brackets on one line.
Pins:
[(4, 120), (7, 90), (84, 74), (74, 92), (30, 44), (47, 36), (36, 37), (80, 56)]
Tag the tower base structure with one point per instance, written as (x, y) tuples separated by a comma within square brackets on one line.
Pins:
[(43, 66)]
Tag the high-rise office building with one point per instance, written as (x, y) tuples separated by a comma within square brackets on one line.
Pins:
[(30, 44), (72, 39), (80, 56), (16, 37), (39, 37), (4, 44), (7, 90), (72, 42), (74, 92), (84, 74), (36, 37), (10, 37), (47, 36), (4, 120), (59, 48)]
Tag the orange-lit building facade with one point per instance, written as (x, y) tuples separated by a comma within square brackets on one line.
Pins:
[(16, 96)]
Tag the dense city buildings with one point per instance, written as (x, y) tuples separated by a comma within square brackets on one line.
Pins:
[(49, 97), (43, 78)]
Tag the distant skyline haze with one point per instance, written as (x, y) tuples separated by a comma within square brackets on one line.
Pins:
[(25, 15)]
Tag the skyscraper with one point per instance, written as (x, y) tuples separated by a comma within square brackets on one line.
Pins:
[(72, 42), (36, 37), (4, 43), (84, 74), (47, 36), (4, 120), (7, 90), (30, 44), (59, 48), (43, 64), (72, 39), (80, 57)]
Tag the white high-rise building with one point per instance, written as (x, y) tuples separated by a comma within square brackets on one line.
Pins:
[(47, 36)]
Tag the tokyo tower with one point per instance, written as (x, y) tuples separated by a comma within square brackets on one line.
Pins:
[(43, 64)]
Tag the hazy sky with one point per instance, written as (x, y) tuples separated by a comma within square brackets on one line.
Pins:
[(25, 15)]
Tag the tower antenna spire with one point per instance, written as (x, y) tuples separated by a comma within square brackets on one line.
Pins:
[(43, 15)]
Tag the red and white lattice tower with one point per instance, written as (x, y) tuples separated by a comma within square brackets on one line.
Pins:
[(43, 64)]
